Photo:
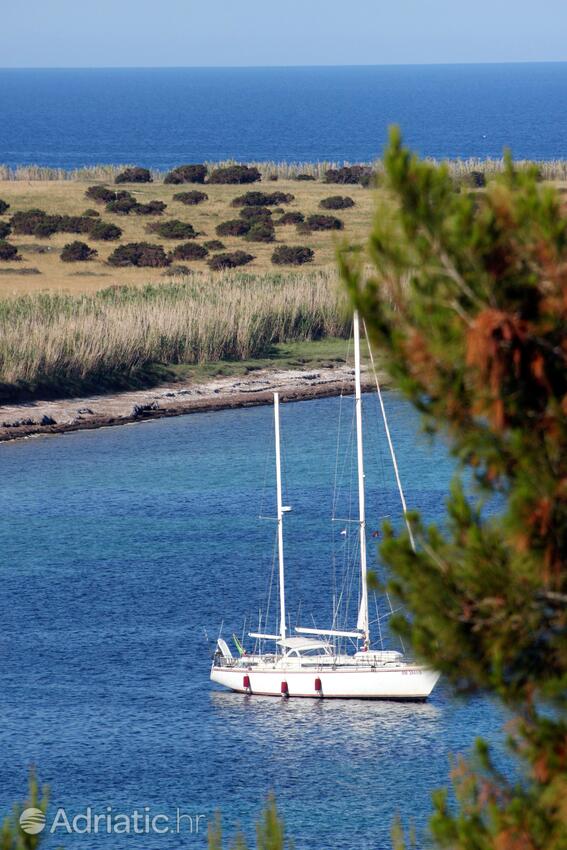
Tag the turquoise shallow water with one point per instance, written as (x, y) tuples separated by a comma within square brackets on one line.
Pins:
[(120, 546)]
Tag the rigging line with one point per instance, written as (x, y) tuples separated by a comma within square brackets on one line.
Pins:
[(379, 623), (390, 443), (271, 580)]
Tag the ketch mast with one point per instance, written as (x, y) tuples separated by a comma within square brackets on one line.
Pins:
[(362, 622), (280, 513)]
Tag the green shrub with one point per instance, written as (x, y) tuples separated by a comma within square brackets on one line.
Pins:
[(191, 198), (134, 175), (255, 213), (105, 231), (230, 260), (214, 245), (261, 231), (292, 255), (5, 229), (347, 174), (4, 206), (173, 229), (122, 205), (90, 213), (336, 202), (290, 218), (476, 179), (189, 251), (77, 252), (233, 227), (7, 251), (38, 223), (187, 174), (304, 177), (100, 194), (262, 199), (139, 254), (235, 174), (151, 208), (320, 222), (26, 221)]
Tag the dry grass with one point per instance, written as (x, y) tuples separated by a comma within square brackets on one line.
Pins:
[(64, 341), (67, 197), (554, 169)]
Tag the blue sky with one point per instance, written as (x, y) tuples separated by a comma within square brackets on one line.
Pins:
[(71, 33)]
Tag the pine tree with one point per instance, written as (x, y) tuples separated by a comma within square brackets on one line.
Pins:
[(466, 299)]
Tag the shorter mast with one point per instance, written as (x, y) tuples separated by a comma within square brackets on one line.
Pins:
[(280, 513), (362, 622)]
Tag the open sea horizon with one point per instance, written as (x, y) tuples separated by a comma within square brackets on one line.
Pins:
[(161, 117)]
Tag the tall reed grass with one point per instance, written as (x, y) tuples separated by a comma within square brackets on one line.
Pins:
[(55, 339), (550, 169)]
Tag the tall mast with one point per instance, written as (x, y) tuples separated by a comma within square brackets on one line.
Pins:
[(280, 513), (362, 623)]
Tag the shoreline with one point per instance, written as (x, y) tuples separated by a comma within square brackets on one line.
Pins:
[(36, 418)]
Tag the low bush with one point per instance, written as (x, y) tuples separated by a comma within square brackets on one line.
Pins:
[(140, 254), (100, 194), (320, 222), (292, 255), (214, 245), (190, 199), (5, 229), (262, 199), (173, 229), (255, 213), (77, 252), (273, 178), (261, 231), (38, 223), (122, 205), (151, 208), (230, 260), (134, 175), (476, 179), (290, 218), (90, 213), (235, 174), (336, 202), (4, 205), (348, 174), (7, 251), (233, 227), (104, 231), (304, 177), (187, 174), (26, 221), (189, 251)]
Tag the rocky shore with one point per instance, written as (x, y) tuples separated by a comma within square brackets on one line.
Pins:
[(99, 411)]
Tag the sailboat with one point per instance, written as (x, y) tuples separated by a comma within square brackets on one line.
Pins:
[(308, 662)]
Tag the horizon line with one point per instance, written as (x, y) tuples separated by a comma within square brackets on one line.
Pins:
[(278, 66)]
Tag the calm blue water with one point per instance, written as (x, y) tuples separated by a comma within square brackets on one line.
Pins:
[(162, 117), (120, 546)]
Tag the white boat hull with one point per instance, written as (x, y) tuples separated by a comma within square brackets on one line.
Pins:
[(401, 682)]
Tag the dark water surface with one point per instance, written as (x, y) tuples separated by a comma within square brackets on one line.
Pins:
[(119, 547), (162, 117)]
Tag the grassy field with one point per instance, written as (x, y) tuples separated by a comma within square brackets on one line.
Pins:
[(58, 344), (68, 197)]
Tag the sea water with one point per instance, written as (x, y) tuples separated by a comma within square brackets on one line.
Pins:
[(124, 549), (163, 117)]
